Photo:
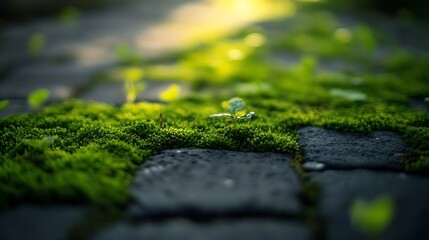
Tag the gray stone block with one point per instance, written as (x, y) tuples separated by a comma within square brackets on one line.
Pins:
[(338, 150), (409, 194), (249, 229), (39, 223), (203, 183)]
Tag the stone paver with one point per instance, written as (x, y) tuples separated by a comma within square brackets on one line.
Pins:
[(39, 223), (409, 193), (89, 41), (338, 150), (61, 80), (15, 106), (209, 183), (249, 229)]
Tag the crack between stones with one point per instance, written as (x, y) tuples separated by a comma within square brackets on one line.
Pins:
[(208, 218), (310, 197)]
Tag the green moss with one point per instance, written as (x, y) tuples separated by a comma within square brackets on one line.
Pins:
[(97, 147)]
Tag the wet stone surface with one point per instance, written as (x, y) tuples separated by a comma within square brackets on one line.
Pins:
[(39, 223), (249, 229), (203, 183), (338, 150), (409, 194)]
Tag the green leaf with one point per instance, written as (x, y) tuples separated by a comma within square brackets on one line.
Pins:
[(38, 97), (41, 144), (351, 95), (236, 105), (247, 116), (218, 115), (3, 104), (372, 217), (36, 43)]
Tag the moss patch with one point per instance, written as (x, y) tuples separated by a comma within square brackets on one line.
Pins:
[(78, 151)]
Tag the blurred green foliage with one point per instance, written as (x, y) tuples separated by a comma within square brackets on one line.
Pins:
[(69, 15), (37, 98), (4, 104), (372, 217), (36, 44)]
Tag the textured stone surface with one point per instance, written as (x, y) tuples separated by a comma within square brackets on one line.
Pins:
[(39, 223), (409, 193), (248, 229), (15, 106), (202, 183), (59, 79), (338, 150)]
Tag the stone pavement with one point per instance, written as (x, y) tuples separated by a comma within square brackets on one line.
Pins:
[(74, 53), (202, 193)]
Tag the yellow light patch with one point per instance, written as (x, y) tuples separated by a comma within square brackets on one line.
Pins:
[(235, 55), (132, 74), (225, 105), (171, 93), (255, 39)]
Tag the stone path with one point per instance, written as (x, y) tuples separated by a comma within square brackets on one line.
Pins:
[(73, 54), (39, 222), (223, 194), (201, 193), (335, 150)]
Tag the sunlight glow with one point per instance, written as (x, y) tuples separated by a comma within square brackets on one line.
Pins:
[(235, 55), (343, 35), (255, 40), (208, 20)]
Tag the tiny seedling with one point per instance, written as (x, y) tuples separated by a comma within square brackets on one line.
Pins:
[(372, 217), (37, 98), (235, 107), (3, 104), (133, 84)]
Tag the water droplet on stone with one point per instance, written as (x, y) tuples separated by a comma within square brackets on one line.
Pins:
[(229, 183), (147, 171), (313, 166)]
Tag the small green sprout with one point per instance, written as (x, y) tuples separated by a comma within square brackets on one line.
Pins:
[(36, 43), (235, 107), (37, 98), (3, 104), (351, 95), (372, 218), (133, 83)]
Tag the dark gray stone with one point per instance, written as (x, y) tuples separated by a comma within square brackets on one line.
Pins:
[(337, 150), (409, 193), (39, 223), (248, 229), (419, 103), (61, 80), (15, 106), (203, 183)]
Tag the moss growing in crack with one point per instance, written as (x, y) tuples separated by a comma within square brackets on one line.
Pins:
[(286, 81)]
